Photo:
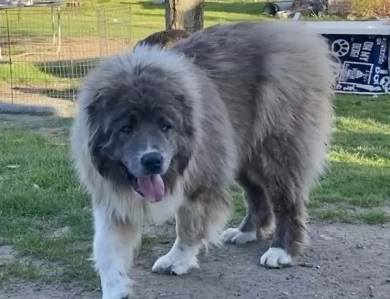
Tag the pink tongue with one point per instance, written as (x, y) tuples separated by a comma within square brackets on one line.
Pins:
[(152, 187)]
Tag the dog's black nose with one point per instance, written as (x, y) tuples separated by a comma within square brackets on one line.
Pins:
[(152, 162)]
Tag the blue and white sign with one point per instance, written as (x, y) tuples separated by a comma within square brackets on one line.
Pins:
[(364, 63)]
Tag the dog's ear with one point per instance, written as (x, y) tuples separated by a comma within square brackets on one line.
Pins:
[(96, 112), (95, 101), (186, 112), (98, 145), (179, 164), (182, 159), (100, 165)]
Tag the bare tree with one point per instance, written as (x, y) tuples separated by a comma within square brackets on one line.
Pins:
[(187, 15)]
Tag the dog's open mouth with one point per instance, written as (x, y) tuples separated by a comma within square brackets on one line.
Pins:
[(150, 187)]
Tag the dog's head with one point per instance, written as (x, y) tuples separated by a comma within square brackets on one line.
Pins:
[(142, 129)]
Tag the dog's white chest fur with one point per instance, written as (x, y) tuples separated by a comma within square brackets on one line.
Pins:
[(161, 211)]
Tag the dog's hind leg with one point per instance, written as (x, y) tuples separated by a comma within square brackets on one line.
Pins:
[(258, 216), (199, 221), (284, 164), (290, 234)]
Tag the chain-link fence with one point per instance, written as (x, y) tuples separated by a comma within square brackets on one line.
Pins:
[(47, 50)]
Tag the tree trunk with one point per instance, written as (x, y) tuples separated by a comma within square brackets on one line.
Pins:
[(184, 14)]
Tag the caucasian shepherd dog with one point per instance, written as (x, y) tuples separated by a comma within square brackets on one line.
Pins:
[(163, 132)]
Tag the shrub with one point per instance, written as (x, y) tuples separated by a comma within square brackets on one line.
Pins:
[(370, 8)]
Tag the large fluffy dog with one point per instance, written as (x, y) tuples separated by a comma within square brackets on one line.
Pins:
[(162, 132)]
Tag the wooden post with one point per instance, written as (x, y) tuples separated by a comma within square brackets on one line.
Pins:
[(187, 15)]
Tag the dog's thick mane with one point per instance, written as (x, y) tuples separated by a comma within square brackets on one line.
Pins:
[(184, 74), (131, 63)]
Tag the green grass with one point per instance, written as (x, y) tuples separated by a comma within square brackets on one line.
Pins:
[(374, 216), (24, 73), (15, 269), (51, 73), (41, 195), (360, 171)]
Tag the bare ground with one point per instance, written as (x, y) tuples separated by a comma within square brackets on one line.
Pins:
[(343, 261)]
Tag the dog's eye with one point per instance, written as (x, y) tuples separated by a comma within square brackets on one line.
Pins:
[(166, 127), (126, 129)]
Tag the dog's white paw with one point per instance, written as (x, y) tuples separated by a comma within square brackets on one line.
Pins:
[(177, 261), (168, 264), (275, 258), (235, 236), (120, 289)]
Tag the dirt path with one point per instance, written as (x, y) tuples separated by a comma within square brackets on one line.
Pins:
[(343, 261)]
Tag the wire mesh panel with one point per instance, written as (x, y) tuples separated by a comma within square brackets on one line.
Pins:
[(47, 51)]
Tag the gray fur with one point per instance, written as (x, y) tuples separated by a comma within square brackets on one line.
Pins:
[(252, 102)]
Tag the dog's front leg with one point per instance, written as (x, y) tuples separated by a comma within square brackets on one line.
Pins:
[(113, 249), (198, 221)]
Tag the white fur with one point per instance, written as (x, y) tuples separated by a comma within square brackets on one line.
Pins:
[(113, 254), (275, 258), (115, 241), (214, 235), (235, 236), (178, 260), (161, 211)]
